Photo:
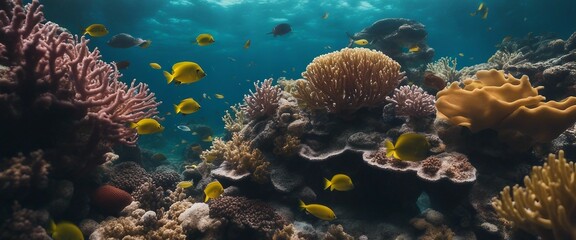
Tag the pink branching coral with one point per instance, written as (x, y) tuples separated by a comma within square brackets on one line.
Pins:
[(59, 94), (263, 102), (347, 80), (412, 101)]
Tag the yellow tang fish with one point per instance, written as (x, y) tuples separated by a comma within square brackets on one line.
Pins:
[(96, 30), (65, 231), (340, 182), (207, 139), (185, 184), (185, 72), (361, 42), (485, 14), (147, 126), (319, 211), (461, 54), (247, 44), (155, 65), (204, 39), (218, 95), (408, 147), (213, 190), (414, 48), (187, 106)]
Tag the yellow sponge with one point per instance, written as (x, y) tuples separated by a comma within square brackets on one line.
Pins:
[(509, 105)]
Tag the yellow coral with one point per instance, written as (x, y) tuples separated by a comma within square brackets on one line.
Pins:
[(506, 104), (546, 206), (347, 80)]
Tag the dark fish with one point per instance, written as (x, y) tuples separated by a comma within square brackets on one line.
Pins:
[(122, 64), (124, 40), (281, 29)]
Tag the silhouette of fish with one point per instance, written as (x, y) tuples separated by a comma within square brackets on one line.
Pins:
[(281, 29)]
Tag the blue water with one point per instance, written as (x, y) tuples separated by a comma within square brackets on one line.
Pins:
[(173, 25)]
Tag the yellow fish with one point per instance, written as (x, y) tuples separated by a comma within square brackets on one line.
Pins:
[(247, 44), (485, 15), (155, 65), (185, 72), (207, 139), (340, 182), (326, 15), (185, 184), (96, 30), (147, 126), (187, 106), (414, 48), (361, 42), (219, 96), (65, 231), (204, 39), (213, 190), (409, 147), (191, 166), (319, 211), (461, 54)]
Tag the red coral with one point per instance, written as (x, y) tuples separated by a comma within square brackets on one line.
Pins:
[(111, 200)]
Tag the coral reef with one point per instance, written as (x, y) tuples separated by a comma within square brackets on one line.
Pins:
[(263, 102), (511, 106), (347, 80), (546, 205), (21, 174), (25, 224), (247, 215), (234, 123), (392, 36), (412, 101), (241, 160), (445, 68), (128, 176)]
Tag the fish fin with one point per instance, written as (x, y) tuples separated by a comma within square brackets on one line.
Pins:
[(145, 44), (133, 125), (327, 184), (169, 77), (389, 148), (302, 205), (52, 227), (206, 198), (332, 188), (176, 109)]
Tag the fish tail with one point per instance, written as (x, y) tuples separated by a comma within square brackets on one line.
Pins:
[(302, 204), (176, 109), (52, 227), (389, 148), (145, 44), (133, 125), (169, 77), (327, 184)]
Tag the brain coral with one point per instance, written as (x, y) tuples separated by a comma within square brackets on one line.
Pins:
[(347, 80), (509, 105)]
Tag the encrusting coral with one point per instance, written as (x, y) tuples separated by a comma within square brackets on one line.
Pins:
[(240, 158), (509, 105), (546, 206), (344, 81)]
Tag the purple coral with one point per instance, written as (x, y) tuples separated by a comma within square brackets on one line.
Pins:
[(412, 101), (263, 102)]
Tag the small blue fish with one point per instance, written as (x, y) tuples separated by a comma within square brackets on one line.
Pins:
[(184, 128)]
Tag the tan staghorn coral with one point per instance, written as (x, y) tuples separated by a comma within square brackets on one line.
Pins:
[(347, 80), (546, 206), (235, 122), (506, 104)]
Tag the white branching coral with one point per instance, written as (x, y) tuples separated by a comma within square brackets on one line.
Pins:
[(445, 68), (412, 101), (503, 59), (234, 122)]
